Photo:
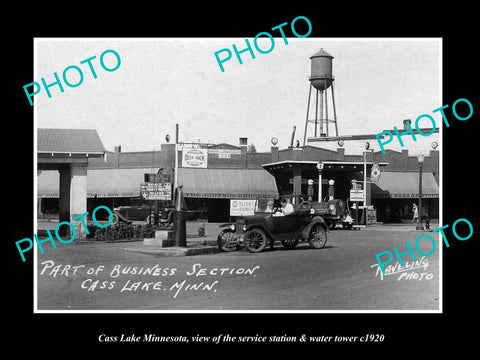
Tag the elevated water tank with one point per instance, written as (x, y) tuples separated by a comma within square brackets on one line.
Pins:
[(321, 74)]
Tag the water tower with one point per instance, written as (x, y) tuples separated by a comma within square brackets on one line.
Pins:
[(321, 79)]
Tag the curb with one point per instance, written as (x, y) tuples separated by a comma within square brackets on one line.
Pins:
[(175, 251)]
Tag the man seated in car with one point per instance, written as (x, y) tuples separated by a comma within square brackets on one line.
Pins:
[(287, 208), (269, 207)]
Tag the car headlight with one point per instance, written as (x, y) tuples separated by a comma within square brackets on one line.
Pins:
[(332, 209), (312, 211), (232, 227)]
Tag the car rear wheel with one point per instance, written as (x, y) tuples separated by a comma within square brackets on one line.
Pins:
[(317, 238), (290, 244), (150, 219), (226, 241), (255, 240), (115, 219)]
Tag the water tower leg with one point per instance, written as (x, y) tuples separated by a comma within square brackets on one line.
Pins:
[(326, 105), (334, 111), (321, 111), (316, 113), (306, 119)]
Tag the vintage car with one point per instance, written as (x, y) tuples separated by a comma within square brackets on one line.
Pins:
[(255, 231), (143, 211), (138, 211)]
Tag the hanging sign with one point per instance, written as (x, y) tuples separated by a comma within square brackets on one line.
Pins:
[(356, 195), (242, 207), (156, 191), (194, 158), (375, 173)]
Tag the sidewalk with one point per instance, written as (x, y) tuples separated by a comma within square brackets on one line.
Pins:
[(211, 229), (196, 243), (399, 227)]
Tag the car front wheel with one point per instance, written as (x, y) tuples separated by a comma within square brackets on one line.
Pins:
[(317, 238), (226, 241), (255, 240)]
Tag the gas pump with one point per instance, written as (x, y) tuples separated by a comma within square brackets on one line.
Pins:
[(331, 189), (356, 196)]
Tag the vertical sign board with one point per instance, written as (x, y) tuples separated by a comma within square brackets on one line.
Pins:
[(356, 195), (157, 178), (194, 158), (156, 187), (356, 192), (156, 191), (371, 216), (242, 207)]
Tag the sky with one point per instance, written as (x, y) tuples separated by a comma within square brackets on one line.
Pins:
[(166, 81)]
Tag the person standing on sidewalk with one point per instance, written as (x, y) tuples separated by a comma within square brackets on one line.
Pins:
[(415, 213)]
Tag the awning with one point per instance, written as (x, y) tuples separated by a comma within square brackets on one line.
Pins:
[(199, 183), (404, 185), (227, 183), (100, 182), (48, 184)]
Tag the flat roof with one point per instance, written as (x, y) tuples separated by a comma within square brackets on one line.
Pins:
[(329, 162), (291, 162), (353, 163), (365, 136)]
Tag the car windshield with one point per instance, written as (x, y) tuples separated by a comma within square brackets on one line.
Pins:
[(136, 202)]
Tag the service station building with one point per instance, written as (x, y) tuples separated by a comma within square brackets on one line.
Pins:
[(78, 179)]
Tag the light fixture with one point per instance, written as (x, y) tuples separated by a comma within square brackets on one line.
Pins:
[(421, 158)]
